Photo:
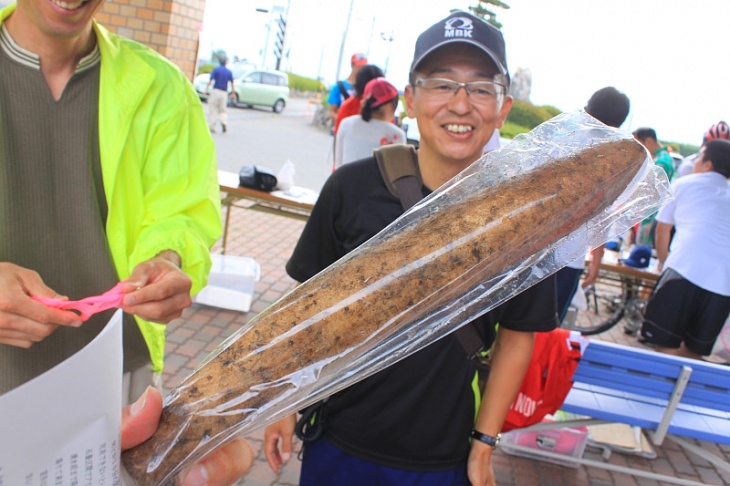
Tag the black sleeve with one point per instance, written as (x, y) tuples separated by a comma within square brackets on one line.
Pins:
[(354, 205), (535, 309)]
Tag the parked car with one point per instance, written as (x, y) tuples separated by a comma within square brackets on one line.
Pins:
[(254, 87), (263, 88), (238, 69)]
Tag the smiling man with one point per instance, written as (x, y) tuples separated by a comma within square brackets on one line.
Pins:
[(107, 172), (414, 422)]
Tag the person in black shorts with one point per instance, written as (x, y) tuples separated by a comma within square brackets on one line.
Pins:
[(691, 301), (411, 423)]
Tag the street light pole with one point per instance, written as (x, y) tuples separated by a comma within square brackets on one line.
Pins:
[(268, 31), (389, 40), (344, 38)]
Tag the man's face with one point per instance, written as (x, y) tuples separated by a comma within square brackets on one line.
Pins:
[(58, 18), (458, 127), (701, 165)]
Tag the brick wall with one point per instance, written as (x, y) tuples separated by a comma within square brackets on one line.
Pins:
[(171, 27)]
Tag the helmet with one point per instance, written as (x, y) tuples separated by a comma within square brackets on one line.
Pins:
[(719, 130)]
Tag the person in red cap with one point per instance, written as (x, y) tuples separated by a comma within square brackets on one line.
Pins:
[(343, 89), (358, 136), (718, 131), (424, 420), (351, 106)]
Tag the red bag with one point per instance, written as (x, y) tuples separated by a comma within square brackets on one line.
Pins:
[(548, 378)]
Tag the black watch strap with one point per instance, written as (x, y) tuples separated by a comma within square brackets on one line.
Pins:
[(490, 440)]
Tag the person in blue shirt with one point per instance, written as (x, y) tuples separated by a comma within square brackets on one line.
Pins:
[(218, 98), (344, 88)]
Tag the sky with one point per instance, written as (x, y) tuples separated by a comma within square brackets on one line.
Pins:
[(669, 56)]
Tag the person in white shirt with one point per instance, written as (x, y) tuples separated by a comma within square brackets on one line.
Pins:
[(357, 136), (691, 301)]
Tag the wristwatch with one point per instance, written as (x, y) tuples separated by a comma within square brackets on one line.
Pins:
[(490, 440)]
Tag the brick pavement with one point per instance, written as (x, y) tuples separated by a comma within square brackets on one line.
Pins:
[(270, 239)]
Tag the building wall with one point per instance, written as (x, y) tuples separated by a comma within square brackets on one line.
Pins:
[(171, 27)]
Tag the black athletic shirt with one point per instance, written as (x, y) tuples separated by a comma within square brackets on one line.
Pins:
[(417, 414)]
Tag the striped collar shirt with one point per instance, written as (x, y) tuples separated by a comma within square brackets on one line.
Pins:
[(32, 60)]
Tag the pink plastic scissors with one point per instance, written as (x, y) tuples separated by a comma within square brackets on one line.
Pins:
[(90, 305)]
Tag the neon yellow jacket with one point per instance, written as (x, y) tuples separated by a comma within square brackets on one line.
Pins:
[(158, 165)]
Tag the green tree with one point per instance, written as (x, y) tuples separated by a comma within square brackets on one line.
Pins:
[(482, 10)]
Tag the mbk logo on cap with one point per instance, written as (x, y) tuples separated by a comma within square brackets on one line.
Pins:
[(462, 27), (458, 27)]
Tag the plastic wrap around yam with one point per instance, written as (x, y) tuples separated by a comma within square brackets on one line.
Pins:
[(497, 228)]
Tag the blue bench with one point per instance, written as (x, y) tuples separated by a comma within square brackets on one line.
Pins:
[(667, 396)]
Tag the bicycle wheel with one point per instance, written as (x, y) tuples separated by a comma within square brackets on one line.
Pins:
[(634, 314), (604, 312)]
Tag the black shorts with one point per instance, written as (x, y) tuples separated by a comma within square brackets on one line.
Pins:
[(681, 311)]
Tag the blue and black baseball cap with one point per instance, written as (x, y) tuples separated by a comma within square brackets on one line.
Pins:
[(462, 27), (639, 257)]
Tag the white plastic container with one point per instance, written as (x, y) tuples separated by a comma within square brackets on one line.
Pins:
[(230, 283), (568, 442)]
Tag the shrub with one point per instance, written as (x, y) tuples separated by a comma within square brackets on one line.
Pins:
[(511, 130), (528, 115), (206, 68), (524, 116), (302, 84), (683, 148)]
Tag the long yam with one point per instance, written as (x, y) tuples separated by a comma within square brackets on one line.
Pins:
[(380, 291)]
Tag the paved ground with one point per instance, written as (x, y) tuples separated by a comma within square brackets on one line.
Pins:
[(270, 239), (260, 137)]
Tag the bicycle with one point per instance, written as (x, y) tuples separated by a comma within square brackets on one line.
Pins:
[(620, 293), (322, 118)]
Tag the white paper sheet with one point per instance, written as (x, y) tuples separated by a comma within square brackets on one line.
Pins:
[(62, 428)]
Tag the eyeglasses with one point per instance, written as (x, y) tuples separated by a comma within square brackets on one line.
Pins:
[(479, 91)]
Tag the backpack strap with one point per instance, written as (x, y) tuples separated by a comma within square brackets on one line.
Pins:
[(470, 340), (398, 165), (343, 91)]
